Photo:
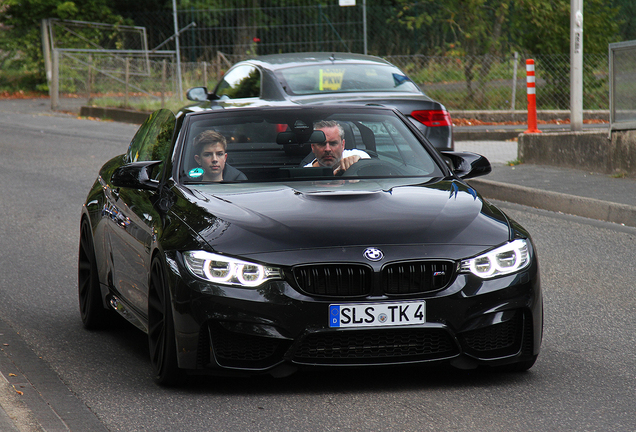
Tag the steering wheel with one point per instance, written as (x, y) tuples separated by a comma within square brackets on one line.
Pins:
[(372, 168)]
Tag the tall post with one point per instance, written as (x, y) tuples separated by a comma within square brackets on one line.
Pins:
[(89, 79), (532, 97), (513, 98), (176, 40), (163, 83), (46, 50), (127, 77), (55, 80), (364, 24), (576, 65)]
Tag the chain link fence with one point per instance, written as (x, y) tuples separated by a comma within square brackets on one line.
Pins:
[(121, 77), (499, 83), (213, 40), (126, 79), (248, 31), (485, 82)]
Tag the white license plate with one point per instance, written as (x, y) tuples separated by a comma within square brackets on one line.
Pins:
[(377, 314)]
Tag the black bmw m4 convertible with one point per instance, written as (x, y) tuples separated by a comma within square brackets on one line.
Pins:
[(265, 240)]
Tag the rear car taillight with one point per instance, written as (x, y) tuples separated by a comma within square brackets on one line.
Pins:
[(432, 118)]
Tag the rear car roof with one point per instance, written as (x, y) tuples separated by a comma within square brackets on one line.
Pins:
[(281, 61)]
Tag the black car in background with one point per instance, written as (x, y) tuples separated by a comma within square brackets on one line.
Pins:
[(318, 78), (283, 265)]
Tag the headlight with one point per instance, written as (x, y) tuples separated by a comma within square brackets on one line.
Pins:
[(229, 271), (506, 259)]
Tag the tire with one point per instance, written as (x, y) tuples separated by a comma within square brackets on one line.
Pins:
[(94, 315), (161, 336)]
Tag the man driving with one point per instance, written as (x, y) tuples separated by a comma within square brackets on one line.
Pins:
[(332, 152)]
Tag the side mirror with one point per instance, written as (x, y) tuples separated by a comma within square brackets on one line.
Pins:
[(136, 175), (467, 165), (197, 94)]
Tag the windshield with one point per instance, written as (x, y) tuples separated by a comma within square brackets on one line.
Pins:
[(299, 144), (316, 79)]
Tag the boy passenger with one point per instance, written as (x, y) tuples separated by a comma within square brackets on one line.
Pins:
[(211, 155)]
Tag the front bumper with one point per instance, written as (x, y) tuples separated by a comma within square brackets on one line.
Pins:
[(276, 327)]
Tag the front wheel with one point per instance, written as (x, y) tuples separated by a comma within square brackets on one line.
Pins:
[(161, 337), (92, 311)]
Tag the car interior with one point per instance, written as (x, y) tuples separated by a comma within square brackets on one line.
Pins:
[(270, 149)]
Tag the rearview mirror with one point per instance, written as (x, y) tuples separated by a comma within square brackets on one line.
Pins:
[(291, 137), (317, 137), (287, 137)]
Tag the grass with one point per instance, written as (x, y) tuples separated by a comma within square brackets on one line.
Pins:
[(619, 175)]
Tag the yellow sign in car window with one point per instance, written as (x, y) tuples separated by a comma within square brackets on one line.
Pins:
[(331, 79)]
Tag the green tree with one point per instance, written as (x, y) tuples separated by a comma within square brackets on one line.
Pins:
[(21, 39), (628, 23), (545, 26), (545, 32), (477, 30), (481, 29)]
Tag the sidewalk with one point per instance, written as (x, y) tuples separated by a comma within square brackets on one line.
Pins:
[(565, 190)]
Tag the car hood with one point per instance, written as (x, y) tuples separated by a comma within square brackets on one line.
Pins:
[(252, 220)]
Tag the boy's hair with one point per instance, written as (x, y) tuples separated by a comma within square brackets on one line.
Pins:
[(208, 137)]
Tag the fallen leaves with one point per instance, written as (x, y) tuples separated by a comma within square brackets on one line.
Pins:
[(476, 122), (22, 95)]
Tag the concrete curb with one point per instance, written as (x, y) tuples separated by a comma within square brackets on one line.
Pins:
[(522, 115), (115, 114), (485, 135), (558, 202)]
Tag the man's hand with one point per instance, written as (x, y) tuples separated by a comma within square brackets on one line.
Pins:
[(345, 164)]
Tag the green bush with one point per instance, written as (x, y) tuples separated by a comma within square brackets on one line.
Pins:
[(15, 80)]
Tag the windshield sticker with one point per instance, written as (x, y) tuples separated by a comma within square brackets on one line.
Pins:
[(196, 172), (331, 79)]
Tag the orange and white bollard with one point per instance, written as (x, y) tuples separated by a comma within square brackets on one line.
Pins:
[(532, 97)]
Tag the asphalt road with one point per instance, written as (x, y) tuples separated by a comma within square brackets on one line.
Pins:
[(72, 379)]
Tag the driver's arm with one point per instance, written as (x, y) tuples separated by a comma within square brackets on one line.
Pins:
[(353, 157), (345, 163)]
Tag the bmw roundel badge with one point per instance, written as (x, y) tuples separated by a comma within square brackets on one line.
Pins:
[(373, 254)]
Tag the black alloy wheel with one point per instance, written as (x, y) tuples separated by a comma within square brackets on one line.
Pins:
[(161, 338), (92, 311)]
